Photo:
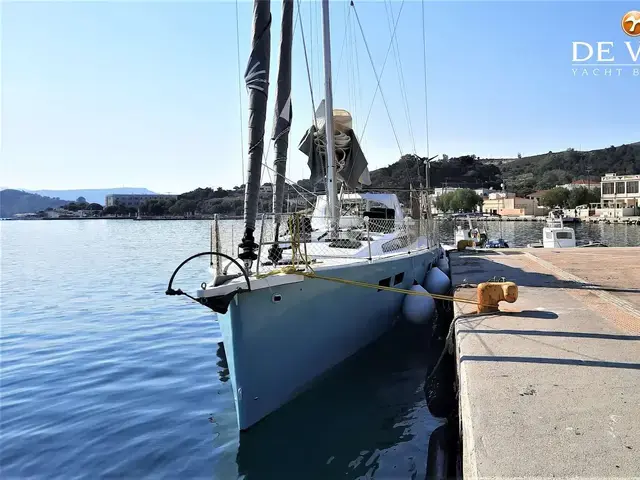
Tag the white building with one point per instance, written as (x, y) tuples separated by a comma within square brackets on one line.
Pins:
[(593, 185), (133, 200), (266, 188), (438, 192), (620, 191)]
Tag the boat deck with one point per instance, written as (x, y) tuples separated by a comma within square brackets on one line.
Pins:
[(551, 387)]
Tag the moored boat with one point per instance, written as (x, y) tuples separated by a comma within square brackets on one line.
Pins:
[(309, 290)]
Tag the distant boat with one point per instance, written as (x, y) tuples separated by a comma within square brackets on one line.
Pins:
[(559, 213), (471, 233), (555, 234), (499, 243)]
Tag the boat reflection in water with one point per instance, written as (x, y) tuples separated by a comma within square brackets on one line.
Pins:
[(366, 416), (223, 373)]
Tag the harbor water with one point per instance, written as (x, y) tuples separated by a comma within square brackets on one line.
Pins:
[(103, 375)]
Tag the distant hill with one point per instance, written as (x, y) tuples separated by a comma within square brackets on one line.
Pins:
[(466, 171), (17, 201), (92, 195), (539, 172)]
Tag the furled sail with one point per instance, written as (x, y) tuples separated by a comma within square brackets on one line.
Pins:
[(256, 79), (282, 120), (351, 164)]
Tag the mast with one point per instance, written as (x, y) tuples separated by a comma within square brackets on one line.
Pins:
[(282, 121), (332, 195), (256, 78)]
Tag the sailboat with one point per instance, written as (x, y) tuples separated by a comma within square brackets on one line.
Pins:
[(311, 290)]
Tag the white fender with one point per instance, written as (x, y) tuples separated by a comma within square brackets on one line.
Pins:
[(417, 308), (437, 282), (443, 264)]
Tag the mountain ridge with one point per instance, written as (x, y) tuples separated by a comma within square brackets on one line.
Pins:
[(92, 195), (14, 201)]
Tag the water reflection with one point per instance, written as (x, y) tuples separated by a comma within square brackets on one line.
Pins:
[(223, 373), (365, 419)]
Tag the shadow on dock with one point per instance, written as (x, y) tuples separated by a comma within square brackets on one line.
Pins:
[(550, 361), (546, 333)]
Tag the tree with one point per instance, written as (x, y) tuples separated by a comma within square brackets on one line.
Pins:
[(582, 196), (110, 210), (220, 193), (81, 200), (94, 206), (462, 199), (122, 210), (183, 206), (556, 197), (442, 202)]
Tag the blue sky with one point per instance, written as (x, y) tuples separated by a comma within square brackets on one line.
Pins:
[(108, 94)]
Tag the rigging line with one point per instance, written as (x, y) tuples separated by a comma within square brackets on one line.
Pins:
[(293, 35), (403, 88), (352, 70), (310, 38), (352, 81), (306, 61), (295, 25), (301, 196), (293, 185), (350, 85), (357, 64), (426, 106), (291, 182), (378, 78), (309, 78), (344, 41), (352, 90), (320, 47), (240, 92)]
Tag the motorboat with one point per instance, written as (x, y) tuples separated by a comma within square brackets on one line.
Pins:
[(555, 234)]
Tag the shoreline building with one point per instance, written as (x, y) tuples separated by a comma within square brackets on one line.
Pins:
[(134, 200), (591, 184), (620, 191), (509, 205)]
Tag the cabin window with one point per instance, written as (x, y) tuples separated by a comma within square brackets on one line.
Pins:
[(619, 187), (564, 235), (607, 188), (398, 278), (632, 187), (385, 282)]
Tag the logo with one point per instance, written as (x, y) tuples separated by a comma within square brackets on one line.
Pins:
[(631, 23), (610, 58)]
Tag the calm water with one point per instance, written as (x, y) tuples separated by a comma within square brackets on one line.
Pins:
[(103, 375)]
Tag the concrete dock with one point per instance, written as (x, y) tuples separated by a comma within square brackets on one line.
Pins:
[(550, 386)]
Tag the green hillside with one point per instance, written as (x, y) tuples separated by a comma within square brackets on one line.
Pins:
[(540, 172), (17, 201)]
